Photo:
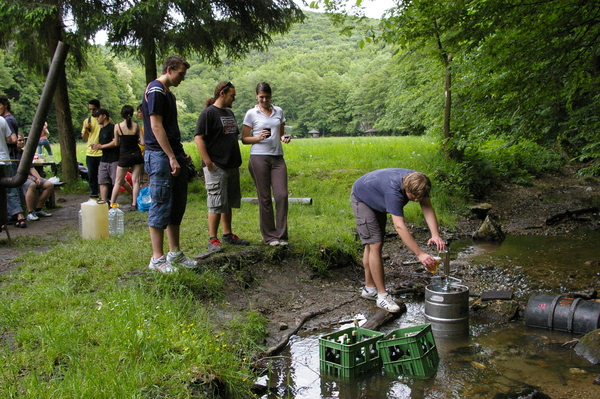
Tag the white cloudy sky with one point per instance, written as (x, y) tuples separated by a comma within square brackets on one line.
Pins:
[(373, 8)]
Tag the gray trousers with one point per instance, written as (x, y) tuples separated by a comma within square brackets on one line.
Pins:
[(270, 171)]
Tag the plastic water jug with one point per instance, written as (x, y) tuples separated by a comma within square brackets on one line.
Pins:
[(116, 220), (94, 219)]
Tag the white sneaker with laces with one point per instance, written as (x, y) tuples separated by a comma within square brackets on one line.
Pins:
[(32, 216), (162, 265), (386, 302), (179, 259), (368, 294)]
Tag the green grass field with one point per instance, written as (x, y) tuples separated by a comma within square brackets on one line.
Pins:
[(86, 319)]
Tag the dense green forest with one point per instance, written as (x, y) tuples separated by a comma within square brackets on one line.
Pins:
[(524, 82), (321, 79)]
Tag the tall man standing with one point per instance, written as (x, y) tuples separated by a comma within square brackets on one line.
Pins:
[(163, 158), (373, 196), (91, 132), (216, 138)]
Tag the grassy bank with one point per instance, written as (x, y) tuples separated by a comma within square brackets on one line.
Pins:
[(87, 319)]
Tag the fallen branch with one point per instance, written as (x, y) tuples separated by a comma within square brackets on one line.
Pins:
[(305, 317), (382, 317)]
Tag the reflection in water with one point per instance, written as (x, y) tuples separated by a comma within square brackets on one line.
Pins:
[(495, 359)]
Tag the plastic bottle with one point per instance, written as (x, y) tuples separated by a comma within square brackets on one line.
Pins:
[(116, 220)]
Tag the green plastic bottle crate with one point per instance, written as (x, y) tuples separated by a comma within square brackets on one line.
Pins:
[(418, 356), (345, 361)]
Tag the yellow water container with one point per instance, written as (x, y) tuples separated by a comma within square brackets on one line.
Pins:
[(94, 219)]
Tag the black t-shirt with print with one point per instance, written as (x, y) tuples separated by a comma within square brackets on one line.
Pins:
[(220, 132)]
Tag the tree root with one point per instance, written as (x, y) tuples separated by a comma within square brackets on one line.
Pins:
[(305, 317)]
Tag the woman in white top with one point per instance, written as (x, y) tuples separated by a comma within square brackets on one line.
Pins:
[(264, 129)]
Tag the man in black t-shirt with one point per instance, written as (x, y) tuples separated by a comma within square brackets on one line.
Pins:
[(216, 137), (107, 171)]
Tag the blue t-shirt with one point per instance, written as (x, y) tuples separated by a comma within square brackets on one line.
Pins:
[(382, 190), (158, 100)]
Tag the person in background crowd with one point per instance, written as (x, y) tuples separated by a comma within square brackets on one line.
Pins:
[(14, 200), (107, 171), (216, 138), (5, 138), (128, 136), (140, 116), (36, 189), (264, 128), (90, 132), (373, 196), (44, 143), (163, 157)]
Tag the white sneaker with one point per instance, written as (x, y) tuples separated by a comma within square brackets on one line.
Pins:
[(179, 259), (274, 243), (387, 303), (43, 214), (162, 265), (367, 294), (32, 216), (283, 243)]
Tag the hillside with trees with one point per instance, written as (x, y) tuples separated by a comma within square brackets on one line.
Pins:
[(509, 88)]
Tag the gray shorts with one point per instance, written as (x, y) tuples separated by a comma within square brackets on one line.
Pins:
[(28, 182), (107, 173), (370, 224), (222, 189)]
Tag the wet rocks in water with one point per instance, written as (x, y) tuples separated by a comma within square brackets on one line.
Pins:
[(496, 310), (522, 393), (588, 294), (589, 347), (490, 230), (481, 210)]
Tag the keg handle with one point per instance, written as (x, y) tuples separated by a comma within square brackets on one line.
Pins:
[(448, 283)]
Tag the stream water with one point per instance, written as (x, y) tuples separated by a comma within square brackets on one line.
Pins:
[(498, 359)]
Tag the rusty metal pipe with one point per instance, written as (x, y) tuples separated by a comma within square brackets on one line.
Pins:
[(41, 113)]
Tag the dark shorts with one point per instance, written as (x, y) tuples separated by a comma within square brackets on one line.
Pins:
[(129, 160), (370, 224)]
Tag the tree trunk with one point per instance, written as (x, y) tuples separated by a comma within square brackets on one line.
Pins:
[(66, 135), (150, 60), (447, 103)]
